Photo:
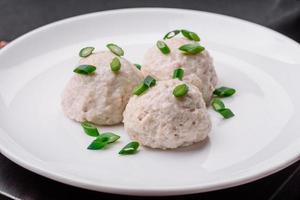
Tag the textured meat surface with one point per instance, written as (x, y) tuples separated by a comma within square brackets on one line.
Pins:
[(157, 119), (100, 97)]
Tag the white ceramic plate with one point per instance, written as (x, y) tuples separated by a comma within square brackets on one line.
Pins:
[(263, 137)]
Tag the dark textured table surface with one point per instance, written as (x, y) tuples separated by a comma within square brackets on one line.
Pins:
[(20, 16)]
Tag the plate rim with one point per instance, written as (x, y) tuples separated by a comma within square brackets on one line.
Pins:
[(119, 189)]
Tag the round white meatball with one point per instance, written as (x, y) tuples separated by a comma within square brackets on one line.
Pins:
[(158, 119), (198, 69), (100, 97)]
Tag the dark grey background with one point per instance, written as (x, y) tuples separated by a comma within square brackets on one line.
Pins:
[(20, 16)]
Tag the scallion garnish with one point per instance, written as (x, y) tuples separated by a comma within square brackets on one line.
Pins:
[(115, 65), (115, 49), (112, 137), (186, 34), (163, 47), (99, 143), (138, 66), (224, 92), (226, 113), (85, 69), (102, 140), (191, 49), (149, 81), (90, 129), (217, 104), (85, 52), (180, 90), (195, 36), (130, 148), (140, 89), (190, 35), (171, 34), (178, 73)]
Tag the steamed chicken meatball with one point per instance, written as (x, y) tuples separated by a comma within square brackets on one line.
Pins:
[(198, 69), (158, 119), (100, 97)]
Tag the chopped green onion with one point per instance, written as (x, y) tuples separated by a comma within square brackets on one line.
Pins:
[(138, 66), (224, 92), (149, 81), (112, 137), (194, 36), (99, 143), (190, 35), (115, 65), (180, 90), (217, 104), (140, 89), (178, 73), (171, 34), (115, 49), (186, 34), (102, 140), (130, 148), (85, 52), (226, 113), (85, 69), (163, 47), (191, 49), (90, 129)]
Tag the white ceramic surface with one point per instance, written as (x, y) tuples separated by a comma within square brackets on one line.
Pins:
[(263, 137)]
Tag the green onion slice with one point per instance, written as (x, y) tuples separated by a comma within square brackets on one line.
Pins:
[(217, 104), (90, 129), (190, 35), (102, 140), (226, 113), (149, 81), (130, 148), (140, 89), (178, 73), (186, 34), (99, 143), (112, 137), (138, 66), (115, 65), (224, 92), (115, 49), (171, 34), (85, 52), (163, 47), (194, 36), (191, 49), (180, 90), (85, 69)]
